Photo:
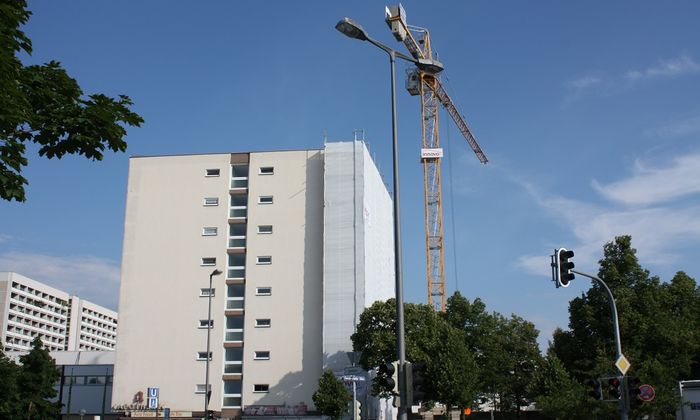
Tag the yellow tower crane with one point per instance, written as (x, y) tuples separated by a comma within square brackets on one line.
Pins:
[(432, 92)]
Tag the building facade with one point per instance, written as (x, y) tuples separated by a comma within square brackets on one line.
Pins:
[(263, 219), (32, 309)]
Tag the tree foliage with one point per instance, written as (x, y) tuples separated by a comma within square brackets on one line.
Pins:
[(659, 328), (505, 350), (9, 396), (450, 367), (25, 390), (331, 398), (42, 104), (558, 395)]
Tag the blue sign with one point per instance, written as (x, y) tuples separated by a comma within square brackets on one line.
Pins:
[(153, 392), (152, 402)]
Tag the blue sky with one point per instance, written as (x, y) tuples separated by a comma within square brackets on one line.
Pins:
[(588, 112)]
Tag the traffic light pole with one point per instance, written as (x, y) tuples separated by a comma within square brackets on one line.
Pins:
[(618, 345)]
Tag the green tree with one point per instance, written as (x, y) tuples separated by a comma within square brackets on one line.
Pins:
[(430, 339), (42, 104), (505, 350), (558, 395), (331, 398), (9, 395), (37, 377), (659, 328)]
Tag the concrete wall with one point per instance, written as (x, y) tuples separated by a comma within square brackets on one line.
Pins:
[(295, 276), (161, 277)]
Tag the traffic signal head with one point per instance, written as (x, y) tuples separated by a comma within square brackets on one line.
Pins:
[(417, 385), (614, 388), (633, 391), (357, 410), (562, 267), (596, 390), (390, 371)]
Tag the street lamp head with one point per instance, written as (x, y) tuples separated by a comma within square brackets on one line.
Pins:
[(352, 29), (216, 272)]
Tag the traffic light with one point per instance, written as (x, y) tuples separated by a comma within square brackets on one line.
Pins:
[(633, 391), (614, 388), (357, 411), (596, 391), (390, 371), (562, 267), (417, 384)]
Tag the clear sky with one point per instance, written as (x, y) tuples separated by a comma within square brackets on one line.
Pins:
[(588, 111)]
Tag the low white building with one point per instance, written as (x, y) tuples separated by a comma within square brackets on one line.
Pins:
[(30, 309)]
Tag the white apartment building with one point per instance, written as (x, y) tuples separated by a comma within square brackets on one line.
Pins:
[(29, 309), (304, 241)]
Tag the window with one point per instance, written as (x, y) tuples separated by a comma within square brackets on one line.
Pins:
[(264, 228), (239, 206), (234, 329), (239, 176), (236, 266), (213, 172), (266, 170), (199, 388), (262, 323), (265, 199), (211, 201), (261, 388), (262, 355), (208, 261), (234, 354), (265, 259), (205, 291), (235, 291), (203, 323), (237, 235), (263, 291), (202, 355), (232, 393), (210, 231), (233, 361), (235, 294)]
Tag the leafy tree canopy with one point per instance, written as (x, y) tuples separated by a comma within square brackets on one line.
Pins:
[(9, 395), (25, 389), (559, 396), (331, 398), (450, 367), (659, 328), (42, 104), (505, 349)]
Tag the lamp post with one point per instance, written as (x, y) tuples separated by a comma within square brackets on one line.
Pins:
[(352, 29), (207, 392)]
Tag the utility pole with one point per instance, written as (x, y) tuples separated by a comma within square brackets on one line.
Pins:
[(562, 273), (618, 344)]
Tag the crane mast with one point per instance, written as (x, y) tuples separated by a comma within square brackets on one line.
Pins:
[(431, 91)]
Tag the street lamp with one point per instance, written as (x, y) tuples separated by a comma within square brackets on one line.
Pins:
[(352, 29), (207, 391)]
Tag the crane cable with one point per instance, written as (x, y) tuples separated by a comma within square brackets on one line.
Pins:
[(452, 206)]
